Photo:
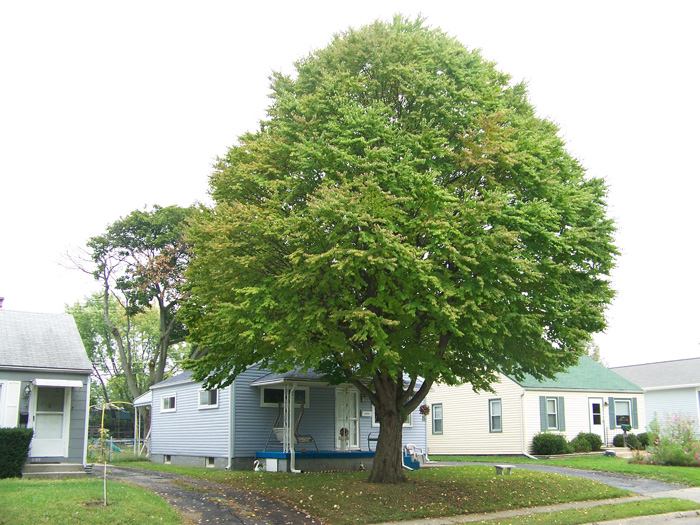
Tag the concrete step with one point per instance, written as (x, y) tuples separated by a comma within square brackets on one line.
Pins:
[(621, 452), (53, 470)]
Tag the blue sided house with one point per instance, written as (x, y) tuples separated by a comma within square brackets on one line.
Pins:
[(275, 422)]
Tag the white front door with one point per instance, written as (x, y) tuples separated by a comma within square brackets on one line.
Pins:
[(347, 419), (595, 415), (50, 417)]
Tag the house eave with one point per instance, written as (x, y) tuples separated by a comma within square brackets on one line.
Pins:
[(671, 387), (591, 390), (81, 371), (286, 380)]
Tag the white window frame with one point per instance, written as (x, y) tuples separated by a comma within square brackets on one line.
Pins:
[(406, 424), (304, 389), (209, 405), (162, 403), (555, 413), (492, 428), (441, 418), (627, 402)]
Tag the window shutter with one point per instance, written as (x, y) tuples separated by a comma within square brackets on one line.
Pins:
[(543, 413), (633, 417), (611, 407), (11, 401), (560, 413)]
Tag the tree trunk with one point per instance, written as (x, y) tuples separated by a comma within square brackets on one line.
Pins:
[(388, 461)]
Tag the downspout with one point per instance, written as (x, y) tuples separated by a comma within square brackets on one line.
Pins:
[(231, 424), (292, 437), (522, 427), (87, 421)]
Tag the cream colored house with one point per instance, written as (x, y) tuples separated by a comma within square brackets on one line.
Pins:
[(587, 398)]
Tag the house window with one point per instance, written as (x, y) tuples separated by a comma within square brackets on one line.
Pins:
[(408, 422), (167, 459), (210, 462), (552, 416), (274, 397), (552, 413), (208, 398), (495, 418), (168, 404), (622, 413), (437, 418)]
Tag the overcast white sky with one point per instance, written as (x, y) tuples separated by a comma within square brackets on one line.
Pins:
[(107, 107)]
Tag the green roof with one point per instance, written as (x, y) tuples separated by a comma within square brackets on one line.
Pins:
[(587, 375)]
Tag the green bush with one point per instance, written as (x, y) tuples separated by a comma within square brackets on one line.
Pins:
[(581, 444), (546, 444), (618, 440), (647, 439), (632, 441), (14, 449), (594, 440)]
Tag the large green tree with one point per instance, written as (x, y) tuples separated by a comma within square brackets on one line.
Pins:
[(401, 218)]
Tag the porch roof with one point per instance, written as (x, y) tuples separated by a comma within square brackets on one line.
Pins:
[(273, 378)]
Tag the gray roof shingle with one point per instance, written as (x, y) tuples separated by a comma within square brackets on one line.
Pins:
[(663, 374), (41, 341)]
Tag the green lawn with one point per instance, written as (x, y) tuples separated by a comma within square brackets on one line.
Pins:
[(27, 501), (689, 476), (346, 497)]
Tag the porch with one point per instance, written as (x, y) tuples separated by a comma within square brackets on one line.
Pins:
[(313, 461)]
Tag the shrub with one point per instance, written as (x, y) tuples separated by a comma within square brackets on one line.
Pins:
[(14, 449), (678, 441), (632, 441), (594, 440), (546, 444), (581, 444), (647, 439)]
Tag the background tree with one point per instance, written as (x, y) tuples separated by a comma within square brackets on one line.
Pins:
[(402, 214), (593, 351), (140, 261), (141, 332)]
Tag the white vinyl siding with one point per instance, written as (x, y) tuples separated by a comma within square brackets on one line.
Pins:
[(466, 420), (662, 403), (577, 415)]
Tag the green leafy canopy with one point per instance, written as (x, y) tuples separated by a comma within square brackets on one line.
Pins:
[(401, 212)]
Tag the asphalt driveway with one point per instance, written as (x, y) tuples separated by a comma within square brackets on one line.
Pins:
[(207, 502)]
